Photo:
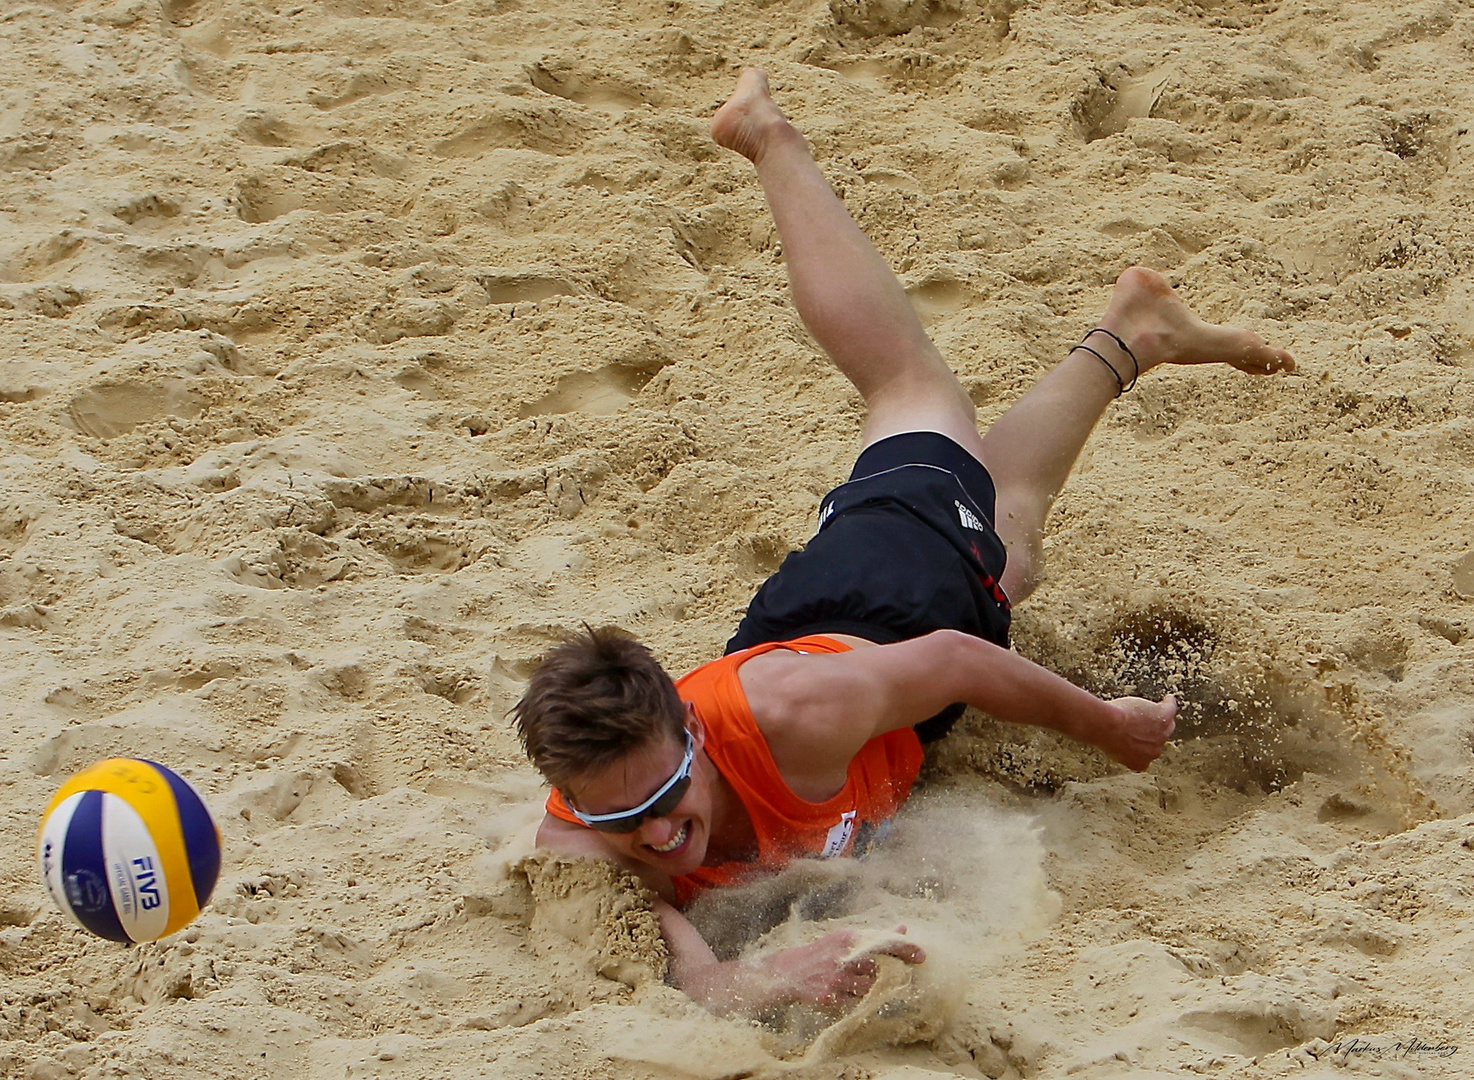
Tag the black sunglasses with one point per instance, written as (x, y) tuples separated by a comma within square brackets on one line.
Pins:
[(666, 799)]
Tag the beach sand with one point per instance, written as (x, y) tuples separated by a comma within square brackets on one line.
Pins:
[(353, 352)]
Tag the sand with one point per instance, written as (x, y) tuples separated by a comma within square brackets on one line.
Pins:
[(354, 351)]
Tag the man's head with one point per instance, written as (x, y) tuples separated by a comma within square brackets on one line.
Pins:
[(592, 701), (602, 722)]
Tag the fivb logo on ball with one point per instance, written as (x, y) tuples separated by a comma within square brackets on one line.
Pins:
[(129, 850)]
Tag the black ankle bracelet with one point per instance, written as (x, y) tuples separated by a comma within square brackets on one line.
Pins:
[(1135, 364), (1120, 386)]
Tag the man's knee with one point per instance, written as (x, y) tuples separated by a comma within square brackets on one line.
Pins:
[(926, 382), (1019, 521), (923, 404), (1023, 574)]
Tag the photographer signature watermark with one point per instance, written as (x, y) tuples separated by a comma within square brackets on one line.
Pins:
[(1411, 1047)]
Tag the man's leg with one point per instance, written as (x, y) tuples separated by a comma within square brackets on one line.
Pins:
[(859, 314), (843, 289), (1032, 447)]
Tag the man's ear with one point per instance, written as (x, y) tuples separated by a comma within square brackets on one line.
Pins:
[(695, 726)]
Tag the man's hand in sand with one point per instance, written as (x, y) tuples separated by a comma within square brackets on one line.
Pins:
[(1143, 730), (827, 973)]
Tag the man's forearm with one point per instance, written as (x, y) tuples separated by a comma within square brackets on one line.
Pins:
[(847, 699), (1009, 687), (731, 986), (723, 986)]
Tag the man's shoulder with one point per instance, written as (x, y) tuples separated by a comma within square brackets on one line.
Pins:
[(792, 683), (779, 705), (797, 704), (766, 683), (724, 689)]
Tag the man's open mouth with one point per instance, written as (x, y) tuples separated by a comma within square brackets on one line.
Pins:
[(675, 841)]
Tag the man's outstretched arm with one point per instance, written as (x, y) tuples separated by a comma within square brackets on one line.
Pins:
[(818, 709)]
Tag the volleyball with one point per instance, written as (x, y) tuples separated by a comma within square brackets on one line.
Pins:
[(128, 850)]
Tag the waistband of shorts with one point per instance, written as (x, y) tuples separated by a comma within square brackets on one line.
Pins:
[(927, 448)]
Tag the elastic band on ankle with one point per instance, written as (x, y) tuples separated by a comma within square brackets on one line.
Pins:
[(1135, 365), (1120, 386)]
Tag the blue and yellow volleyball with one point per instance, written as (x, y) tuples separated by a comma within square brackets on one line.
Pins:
[(128, 849)]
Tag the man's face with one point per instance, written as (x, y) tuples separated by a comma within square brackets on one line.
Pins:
[(674, 843)]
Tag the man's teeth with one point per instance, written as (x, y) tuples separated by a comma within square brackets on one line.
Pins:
[(675, 841)]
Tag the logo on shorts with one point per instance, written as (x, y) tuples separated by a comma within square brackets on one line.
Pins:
[(968, 518), (825, 513)]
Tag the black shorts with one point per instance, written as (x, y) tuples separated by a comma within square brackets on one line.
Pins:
[(906, 546)]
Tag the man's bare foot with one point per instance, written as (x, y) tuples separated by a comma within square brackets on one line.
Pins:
[(1147, 314), (751, 121)]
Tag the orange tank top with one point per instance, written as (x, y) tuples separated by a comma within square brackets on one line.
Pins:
[(786, 826)]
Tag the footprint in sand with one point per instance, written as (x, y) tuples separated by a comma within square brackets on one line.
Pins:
[(272, 191), (457, 685), (140, 209), (937, 298), (414, 549), (599, 393), (343, 87), (348, 158), (267, 129), (549, 128), (112, 409), (15, 523), (1104, 108), (1463, 575), (594, 89), (871, 73), (523, 288), (1259, 1027), (53, 300), (180, 12), (891, 18)]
